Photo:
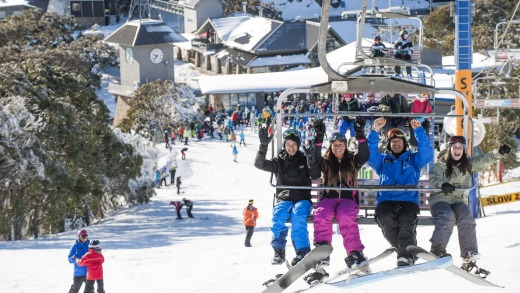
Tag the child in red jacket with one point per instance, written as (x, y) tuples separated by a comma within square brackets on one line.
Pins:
[(93, 260)]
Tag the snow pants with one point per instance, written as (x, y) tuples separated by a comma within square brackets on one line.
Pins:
[(344, 125), (78, 282), (249, 234), (90, 286), (298, 213), (346, 211), (446, 217), (398, 221)]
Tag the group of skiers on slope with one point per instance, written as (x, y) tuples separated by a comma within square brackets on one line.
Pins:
[(396, 211), (88, 264)]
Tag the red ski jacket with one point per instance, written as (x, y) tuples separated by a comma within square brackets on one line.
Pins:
[(93, 260)]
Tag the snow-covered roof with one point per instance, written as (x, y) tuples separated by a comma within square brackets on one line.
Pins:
[(225, 25), (248, 34), (13, 3), (144, 32)]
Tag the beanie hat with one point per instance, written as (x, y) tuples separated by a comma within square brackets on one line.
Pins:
[(251, 201), (291, 134)]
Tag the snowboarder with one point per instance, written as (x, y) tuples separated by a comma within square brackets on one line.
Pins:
[(93, 261), (450, 207), (340, 168), (77, 251), (396, 211), (250, 215), (291, 168)]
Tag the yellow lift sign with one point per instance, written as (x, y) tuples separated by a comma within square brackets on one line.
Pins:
[(499, 199)]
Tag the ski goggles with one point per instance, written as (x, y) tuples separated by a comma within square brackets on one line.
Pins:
[(457, 139), (396, 133), (291, 133), (337, 136)]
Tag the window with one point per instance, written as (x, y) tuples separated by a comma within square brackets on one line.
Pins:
[(76, 7)]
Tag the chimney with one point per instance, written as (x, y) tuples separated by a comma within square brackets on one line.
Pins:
[(244, 6)]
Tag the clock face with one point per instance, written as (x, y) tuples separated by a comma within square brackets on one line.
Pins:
[(156, 55), (129, 55)]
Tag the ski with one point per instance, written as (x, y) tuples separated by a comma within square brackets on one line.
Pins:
[(361, 269), (307, 263), (400, 271), (428, 256)]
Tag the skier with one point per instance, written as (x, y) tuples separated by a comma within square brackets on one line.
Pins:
[(403, 50), (183, 153), (178, 206), (396, 211), (189, 206), (291, 169), (421, 104), (77, 251), (340, 168), (242, 138), (235, 153), (348, 103), (173, 169), (378, 48), (93, 261), (450, 207), (250, 215), (178, 184)]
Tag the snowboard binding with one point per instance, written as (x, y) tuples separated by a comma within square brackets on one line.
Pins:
[(471, 267)]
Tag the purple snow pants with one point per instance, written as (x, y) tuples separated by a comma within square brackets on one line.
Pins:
[(346, 211)]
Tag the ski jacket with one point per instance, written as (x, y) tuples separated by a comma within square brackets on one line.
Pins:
[(403, 170), (177, 205), (289, 170), (457, 178), (378, 50), (404, 47), (324, 164), (93, 261), (77, 251), (250, 216), (421, 107)]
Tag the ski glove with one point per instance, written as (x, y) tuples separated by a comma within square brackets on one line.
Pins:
[(319, 129), (447, 188), (359, 124), (504, 149), (309, 150), (265, 139)]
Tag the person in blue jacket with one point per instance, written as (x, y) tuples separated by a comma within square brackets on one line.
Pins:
[(396, 211), (291, 169), (77, 251)]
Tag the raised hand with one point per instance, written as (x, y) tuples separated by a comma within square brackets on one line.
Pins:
[(379, 123), (415, 123), (263, 135)]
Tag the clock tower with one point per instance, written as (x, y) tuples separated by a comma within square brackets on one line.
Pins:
[(145, 55)]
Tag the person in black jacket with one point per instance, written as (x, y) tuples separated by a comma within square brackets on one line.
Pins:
[(395, 103), (348, 103), (403, 50), (291, 169)]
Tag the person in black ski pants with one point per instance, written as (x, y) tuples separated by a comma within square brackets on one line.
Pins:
[(189, 206), (291, 169), (179, 185)]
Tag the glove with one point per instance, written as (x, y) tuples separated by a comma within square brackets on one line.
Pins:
[(265, 139), (309, 150), (447, 188), (319, 129), (359, 124), (504, 149)]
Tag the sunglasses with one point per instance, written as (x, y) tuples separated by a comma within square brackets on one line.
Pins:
[(291, 133), (393, 133), (337, 136), (457, 139)]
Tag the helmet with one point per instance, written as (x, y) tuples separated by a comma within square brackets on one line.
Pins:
[(96, 244), (82, 232), (378, 37), (403, 32), (396, 133)]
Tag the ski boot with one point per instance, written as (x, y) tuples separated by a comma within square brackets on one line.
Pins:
[(299, 256), (279, 257), (354, 259)]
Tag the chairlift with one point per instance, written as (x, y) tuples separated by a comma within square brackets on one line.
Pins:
[(354, 80)]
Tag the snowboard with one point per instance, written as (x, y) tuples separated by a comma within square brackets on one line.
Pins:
[(400, 271), (349, 271), (295, 272), (428, 256)]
